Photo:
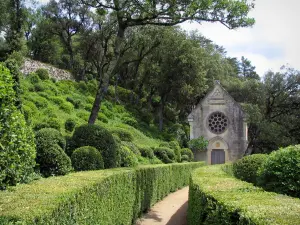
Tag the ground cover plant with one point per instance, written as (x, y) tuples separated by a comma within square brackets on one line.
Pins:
[(217, 197), (113, 196)]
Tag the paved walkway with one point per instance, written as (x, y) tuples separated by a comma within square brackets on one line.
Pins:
[(171, 210)]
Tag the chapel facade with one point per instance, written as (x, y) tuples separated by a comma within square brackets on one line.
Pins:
[(221, 121)]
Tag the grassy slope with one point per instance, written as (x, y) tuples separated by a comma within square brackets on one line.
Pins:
[(46, 102)]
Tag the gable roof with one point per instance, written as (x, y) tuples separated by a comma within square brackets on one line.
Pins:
[(217, 84)]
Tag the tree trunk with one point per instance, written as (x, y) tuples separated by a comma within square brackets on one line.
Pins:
[(102, 89)]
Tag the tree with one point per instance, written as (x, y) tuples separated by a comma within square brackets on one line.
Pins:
[(232, 14), (67, 18), (247, 70)]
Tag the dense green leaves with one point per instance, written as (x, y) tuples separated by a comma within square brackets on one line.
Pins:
[(17, 147)]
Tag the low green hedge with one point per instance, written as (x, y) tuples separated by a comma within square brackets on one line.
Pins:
[(216, 197), (114, 196)]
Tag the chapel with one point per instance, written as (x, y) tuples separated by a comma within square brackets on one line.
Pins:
[(221, 121)]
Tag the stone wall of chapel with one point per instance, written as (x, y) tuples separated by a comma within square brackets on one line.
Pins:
[(235, 134)]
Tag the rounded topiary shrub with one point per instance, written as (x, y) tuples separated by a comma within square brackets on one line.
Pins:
[(123, 134), (87, 158), (166, 155), (175, 146), (247, 167), (185, 158), (51, 157), (281, 171), (42, 73), (100, 138), (188, 152), (17, 147), (147, 152), (70, 124), (128, 158)]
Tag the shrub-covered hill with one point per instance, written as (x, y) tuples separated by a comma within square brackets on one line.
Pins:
[(65, 105)]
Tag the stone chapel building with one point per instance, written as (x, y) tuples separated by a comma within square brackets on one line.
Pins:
[(221, 121)]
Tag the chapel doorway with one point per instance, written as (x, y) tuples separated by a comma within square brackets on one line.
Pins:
[(217, 156)]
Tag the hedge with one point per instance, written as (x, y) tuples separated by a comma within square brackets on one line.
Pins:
[(113, 196), (216, 197)]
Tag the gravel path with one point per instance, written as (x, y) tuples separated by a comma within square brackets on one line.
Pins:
[(171, 210)]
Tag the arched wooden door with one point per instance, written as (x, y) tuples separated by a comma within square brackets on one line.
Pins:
[(217, 156)]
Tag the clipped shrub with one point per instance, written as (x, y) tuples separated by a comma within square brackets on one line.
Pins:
[(105, 197), (185, 158), (128, 158), (188, 152), (100, 138), (39, 87), (281, 171), (147, 152), (42, 73), (122, 133), (216, 197), (83, 115), (75, 102), (102, 117), (66, 107), (49, 123), (166, 155), (70, 124), (131, 146), (39, 101), (247, 167), (17, 147), (130, 121), (175, 146), (57, 100), (87, 158), (33, 78), (164, 144), (88, 107), (51, 158)]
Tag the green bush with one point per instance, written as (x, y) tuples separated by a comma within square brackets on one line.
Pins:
[(50, 123), (39, 87), (75, 102), (166, 155), (198, 144), (216, 197), (33, 78), (175, 146), (188, 152), (17, 147), (70, 124), (105, 197), (66, 107), (87, 158), (130, 121), (247, 167), (131, 146), (128, 158), (102, 117), (122, 133), (51, 158), (185, 158), (42, 73), (40, 102), (281, 171), (147, 152), (100, 138)]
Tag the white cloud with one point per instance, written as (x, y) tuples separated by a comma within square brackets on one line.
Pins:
[(270, 43)]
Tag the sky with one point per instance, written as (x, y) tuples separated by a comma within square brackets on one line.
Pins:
[(271, 43)]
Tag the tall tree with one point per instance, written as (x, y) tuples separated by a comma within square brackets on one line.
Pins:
[(247, 70), (232, 14)]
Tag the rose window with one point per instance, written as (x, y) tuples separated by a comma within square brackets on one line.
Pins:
[(217, 122)]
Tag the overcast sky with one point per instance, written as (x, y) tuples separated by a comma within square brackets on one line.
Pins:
[(270, 43)]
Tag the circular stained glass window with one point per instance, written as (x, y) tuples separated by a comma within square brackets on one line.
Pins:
[(217, 122)]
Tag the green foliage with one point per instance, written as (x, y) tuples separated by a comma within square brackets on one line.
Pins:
[(281, 171), (100, 138), (122, 133), (70, 124), (42, 73), (128, 158), (188, 152), (66, 107), (49, 123), (185, 158), (165, 154), (147, 152), (198, 144), (33, 78), (17, 147), (102, 117), (216, 197), (247, 167), (87, 158), (125, 195), (130, 121), (175, 146), (51, 158)]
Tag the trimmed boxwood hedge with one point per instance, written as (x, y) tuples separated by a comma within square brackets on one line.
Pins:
[(114, 196), (216, 197)]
